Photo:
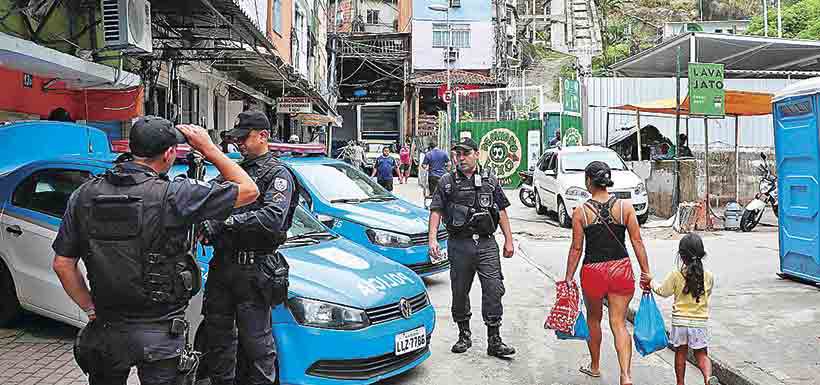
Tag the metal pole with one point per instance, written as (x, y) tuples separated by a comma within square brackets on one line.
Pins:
[(779, 21), (676, 191), (766, 18), (607, 129), (449, 91), (638, 133), (706, 165), (737, 158)]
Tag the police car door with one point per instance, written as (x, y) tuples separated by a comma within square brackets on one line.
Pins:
[(30, 222)]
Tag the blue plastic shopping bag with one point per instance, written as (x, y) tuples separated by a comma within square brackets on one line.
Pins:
[(650, 332), (579, 332)]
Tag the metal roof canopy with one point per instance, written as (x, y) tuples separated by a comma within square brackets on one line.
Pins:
[(234, 43), (742, 56)]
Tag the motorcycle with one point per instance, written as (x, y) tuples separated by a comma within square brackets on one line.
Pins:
[(767, 195), (526, 194)]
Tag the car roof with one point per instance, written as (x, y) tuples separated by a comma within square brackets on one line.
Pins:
[(104, 160), (297, 160), (576, 149)]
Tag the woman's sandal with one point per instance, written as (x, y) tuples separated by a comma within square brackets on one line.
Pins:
[(586, 370)]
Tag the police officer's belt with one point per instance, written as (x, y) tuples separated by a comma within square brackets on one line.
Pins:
[(468, 235), (249, 257)]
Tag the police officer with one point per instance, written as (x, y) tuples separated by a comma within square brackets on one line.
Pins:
[(238, 293), (129, 226), (472, 204)]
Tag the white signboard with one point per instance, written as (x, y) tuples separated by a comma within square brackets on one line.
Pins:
[(293, 105), (533, 147)]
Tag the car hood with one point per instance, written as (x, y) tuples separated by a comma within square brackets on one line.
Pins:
[(623, 180), (342, 272), (389, 215)]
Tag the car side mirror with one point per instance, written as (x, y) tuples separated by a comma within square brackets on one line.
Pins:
[(326, 220)]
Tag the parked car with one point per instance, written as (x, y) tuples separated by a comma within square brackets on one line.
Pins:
[(560, 184), (360, 210), (350, 313)]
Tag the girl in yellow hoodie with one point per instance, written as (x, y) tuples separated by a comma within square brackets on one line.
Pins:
[(692, 287)]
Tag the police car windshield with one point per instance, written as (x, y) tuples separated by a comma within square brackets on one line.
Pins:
[(305, 224), (574, 162), (341, 183)]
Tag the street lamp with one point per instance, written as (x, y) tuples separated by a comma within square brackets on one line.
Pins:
[(446, 10)]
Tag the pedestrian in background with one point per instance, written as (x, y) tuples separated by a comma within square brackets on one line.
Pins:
[(384, 168), (406, 163), (602, 223), (437, 163), (130, 228), (692, 287), (472, 205)]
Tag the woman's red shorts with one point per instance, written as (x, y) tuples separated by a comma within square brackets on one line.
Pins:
[(611, 277)]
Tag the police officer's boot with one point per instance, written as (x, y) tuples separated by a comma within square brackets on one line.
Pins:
[(496, 347), (464, 342)]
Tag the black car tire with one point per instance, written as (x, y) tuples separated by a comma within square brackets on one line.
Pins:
[(539, 208), (564, 218), (9, 304)]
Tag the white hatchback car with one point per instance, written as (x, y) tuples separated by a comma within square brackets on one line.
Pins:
[(559, 181)]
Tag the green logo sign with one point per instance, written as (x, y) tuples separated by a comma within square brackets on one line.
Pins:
[(500, 150), (706, 94), (572, 96)]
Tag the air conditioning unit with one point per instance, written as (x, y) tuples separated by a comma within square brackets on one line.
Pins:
[(451, 55), (127, 25)]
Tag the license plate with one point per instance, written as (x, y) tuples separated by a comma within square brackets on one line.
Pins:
[(442, 256), (411, 341)]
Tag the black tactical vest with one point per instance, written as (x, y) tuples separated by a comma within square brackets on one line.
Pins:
[(255, 239), (137, 267), (471, 209)]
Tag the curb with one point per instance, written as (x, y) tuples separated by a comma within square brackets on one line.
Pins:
[(725, 373)]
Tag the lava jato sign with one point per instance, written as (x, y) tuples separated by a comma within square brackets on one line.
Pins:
[(707, 96)]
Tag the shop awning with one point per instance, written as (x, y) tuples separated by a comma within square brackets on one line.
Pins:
[(438, 78), (316, 120), (743, 56), (738, 103), (71, 71)]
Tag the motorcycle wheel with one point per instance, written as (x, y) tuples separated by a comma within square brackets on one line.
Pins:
[(527, 197), (750, 219)]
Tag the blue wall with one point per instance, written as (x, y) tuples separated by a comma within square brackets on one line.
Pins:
[(470, 10)]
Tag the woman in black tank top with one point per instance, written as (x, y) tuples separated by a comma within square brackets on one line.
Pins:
[(602, 224)]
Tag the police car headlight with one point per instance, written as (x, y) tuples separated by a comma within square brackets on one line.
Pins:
[(578, 192), (309, 312), (640, 189), (388, 239)]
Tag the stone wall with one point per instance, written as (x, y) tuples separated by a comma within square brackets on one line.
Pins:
[(722, 181)]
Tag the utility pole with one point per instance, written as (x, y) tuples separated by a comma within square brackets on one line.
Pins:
[(676, 191), (779, 21), (766, 18)]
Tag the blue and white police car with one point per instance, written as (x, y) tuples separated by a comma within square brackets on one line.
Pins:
[(352, 316), (362, 211)]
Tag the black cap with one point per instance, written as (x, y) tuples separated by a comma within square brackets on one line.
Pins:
[(152, 135), (465, 144), (248, 121)]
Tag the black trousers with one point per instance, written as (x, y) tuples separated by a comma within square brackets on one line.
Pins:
[(112, 349), (386, 183), (236, 316), (468, 257)]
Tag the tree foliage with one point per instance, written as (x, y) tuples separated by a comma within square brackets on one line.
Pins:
[(801, 20)]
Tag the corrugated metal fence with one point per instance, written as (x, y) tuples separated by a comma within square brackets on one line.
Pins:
[(610, 92)]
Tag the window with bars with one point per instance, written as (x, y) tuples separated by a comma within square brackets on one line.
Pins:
[(461, 36), (188, 103), (372, 16)]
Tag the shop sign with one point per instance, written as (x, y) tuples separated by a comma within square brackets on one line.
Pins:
[(293, 105), (706, 93)]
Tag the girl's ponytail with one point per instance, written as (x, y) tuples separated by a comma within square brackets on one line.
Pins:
[(691, 253)]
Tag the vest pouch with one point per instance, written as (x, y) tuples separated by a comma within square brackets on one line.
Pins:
[(458, 215), (483, 223), (272, 279), (115, 217)]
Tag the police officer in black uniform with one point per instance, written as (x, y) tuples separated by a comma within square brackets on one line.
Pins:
[(472, 204), (241, 290), (130, 226)]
